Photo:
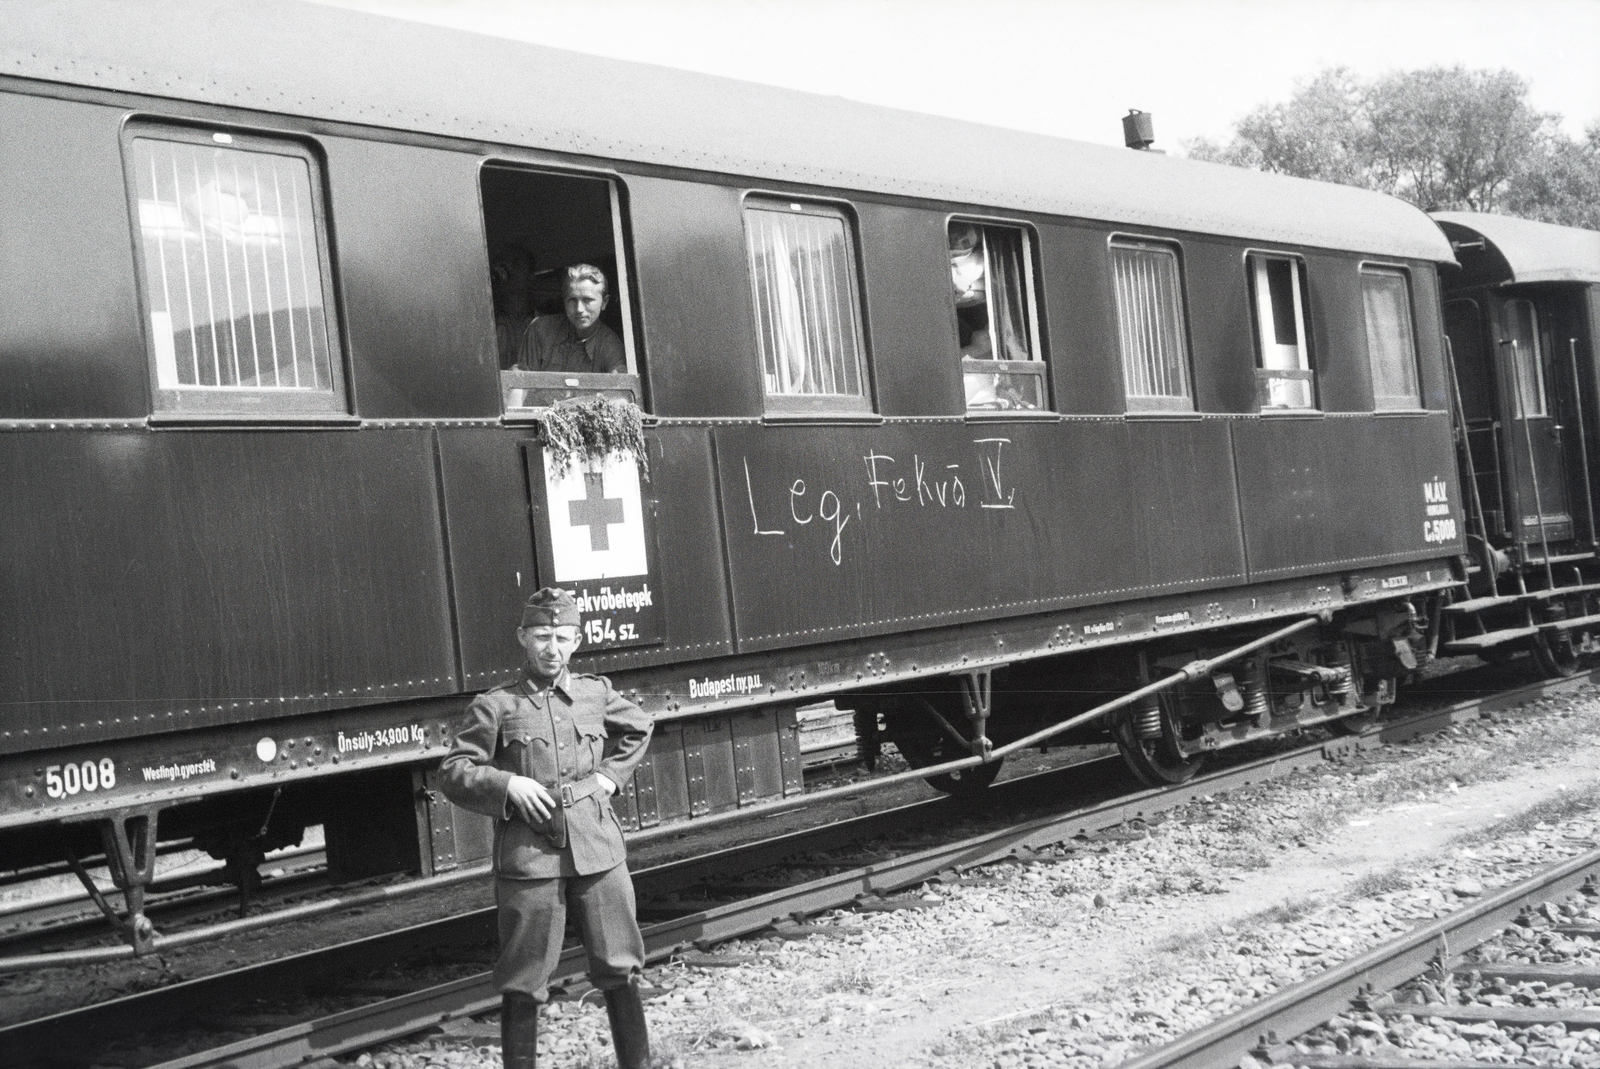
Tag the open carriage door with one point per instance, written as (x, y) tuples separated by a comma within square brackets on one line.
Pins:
[(1475, 378), (1537, 429)]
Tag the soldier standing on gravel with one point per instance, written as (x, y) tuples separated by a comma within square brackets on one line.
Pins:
[(543, 754)]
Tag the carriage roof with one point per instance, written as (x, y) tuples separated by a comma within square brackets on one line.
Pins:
[(1533, 252), (337, 65)]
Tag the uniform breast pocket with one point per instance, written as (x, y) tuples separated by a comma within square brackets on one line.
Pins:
[(529, 745), (513, 756), (593, 736)]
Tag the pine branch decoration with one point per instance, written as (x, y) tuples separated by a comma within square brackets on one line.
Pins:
[(592, 429)]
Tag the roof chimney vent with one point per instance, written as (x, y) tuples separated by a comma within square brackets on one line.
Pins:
[(1138, 129)]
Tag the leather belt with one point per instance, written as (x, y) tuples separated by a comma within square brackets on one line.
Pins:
[(571, 794)]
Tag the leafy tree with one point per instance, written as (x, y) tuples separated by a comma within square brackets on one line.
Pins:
[(1442, 137), (1566, 189)]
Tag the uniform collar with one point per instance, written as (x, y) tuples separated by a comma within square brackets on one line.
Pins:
[(535, 683)]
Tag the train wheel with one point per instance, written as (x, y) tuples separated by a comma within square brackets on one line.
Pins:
[(1157, 762), (1555, 654), (922, 742)]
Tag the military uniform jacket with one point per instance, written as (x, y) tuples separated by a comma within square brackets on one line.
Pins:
[(562, 736)]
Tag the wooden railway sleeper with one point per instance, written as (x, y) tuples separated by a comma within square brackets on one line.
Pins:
[(129, 836)]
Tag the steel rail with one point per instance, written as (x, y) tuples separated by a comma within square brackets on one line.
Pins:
[(96, 955), (175, 892), (687, 871), (1308, 1004), (1380, 733), (393, 1018), (160, 1004)]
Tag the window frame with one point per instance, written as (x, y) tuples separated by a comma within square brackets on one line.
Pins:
[(1255, 260), (1379, 267), (1154, 404), (627, 385), (241, 404), (800, 405), (1535, 359), (1038, 366)]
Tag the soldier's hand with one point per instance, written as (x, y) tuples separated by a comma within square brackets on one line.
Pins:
[(529, 799), (608, 786)]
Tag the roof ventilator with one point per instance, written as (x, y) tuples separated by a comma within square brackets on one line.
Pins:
[(1138, 129)]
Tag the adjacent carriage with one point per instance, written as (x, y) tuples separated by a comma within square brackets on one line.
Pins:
[(947, 425), (1520, 313)]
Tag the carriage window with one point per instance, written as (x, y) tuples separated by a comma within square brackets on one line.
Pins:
[(1150, 326), (1391, 344), (558, 279), (991, 270), (235, 275), (1283, 377), (1522, 327), (808, 314)]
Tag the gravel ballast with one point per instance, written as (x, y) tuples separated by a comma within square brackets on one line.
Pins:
[(1089, 956)]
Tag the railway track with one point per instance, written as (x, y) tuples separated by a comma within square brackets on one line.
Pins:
[(870, 885), (1438, 953), (176, 900)]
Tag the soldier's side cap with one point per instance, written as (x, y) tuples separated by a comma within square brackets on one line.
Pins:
[(550, 607)]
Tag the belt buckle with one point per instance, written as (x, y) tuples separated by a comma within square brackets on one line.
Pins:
[(567, 800)]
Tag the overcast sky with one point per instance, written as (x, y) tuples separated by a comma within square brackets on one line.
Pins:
[(1070, 67)]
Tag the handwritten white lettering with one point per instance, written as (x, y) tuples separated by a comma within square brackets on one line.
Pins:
[(994, 487), (797, 490)]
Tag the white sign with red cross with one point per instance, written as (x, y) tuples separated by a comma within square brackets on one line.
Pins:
[(596, 519)]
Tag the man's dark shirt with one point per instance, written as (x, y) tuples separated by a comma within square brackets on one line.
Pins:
[(551, 344)]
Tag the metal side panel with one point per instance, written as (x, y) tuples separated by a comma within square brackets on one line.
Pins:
[(1333, 494), (456, 836), (1002, 519), (668, 799), (708, 753), (626, 804), (789, 750), (500, 548), (757, 753), (184, 579), (70, 343), (491, 555), (643, 787)]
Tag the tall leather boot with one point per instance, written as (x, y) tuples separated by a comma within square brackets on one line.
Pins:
[(629, 1034), (519, 1030)]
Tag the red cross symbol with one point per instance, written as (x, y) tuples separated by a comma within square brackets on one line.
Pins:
[(594, 510)]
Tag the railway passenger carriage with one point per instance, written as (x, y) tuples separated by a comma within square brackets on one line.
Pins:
[(946, 424), (1520, 313)]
